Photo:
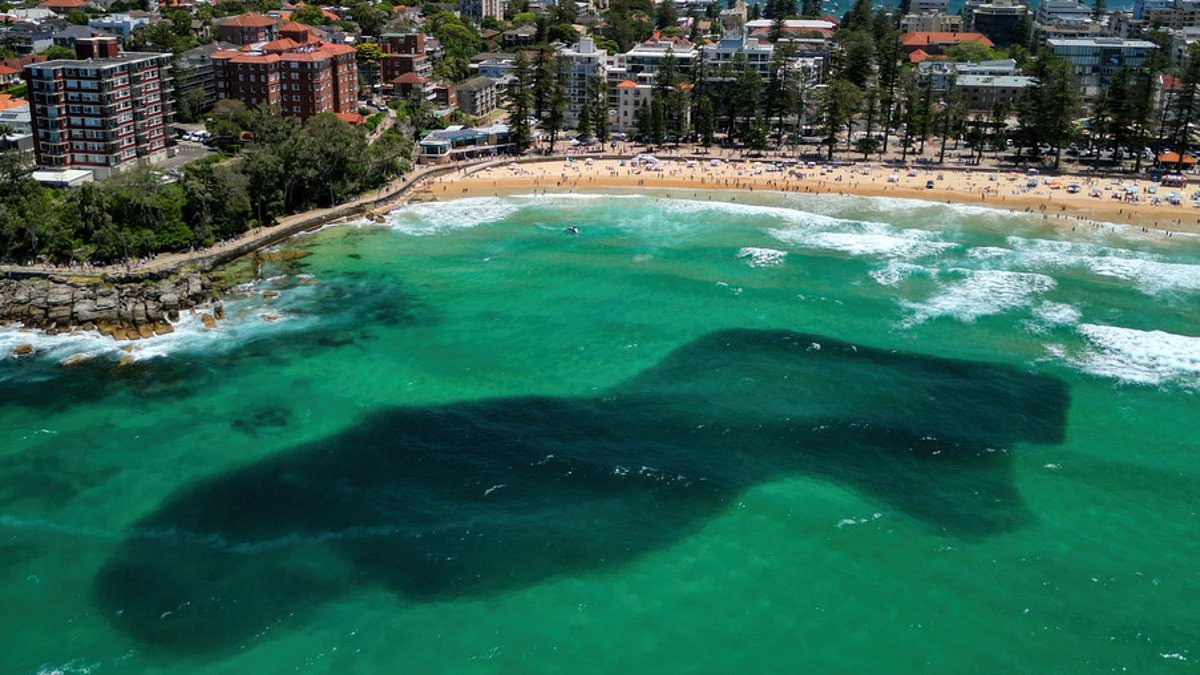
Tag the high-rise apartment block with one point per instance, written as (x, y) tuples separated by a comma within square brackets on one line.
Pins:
[(101, 111)]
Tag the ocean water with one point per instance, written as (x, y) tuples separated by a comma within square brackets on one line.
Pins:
[(712, 433)]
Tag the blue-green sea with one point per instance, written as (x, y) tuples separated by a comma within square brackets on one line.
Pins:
[(730, 433)]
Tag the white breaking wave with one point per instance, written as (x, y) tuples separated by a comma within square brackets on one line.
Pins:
[(762, 257), (1137, 356), (456, 214), (982, 293), (1149, 273), (896, 271), (1057, 313), (244, 320)]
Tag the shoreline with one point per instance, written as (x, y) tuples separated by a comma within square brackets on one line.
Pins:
[(1002, 192)]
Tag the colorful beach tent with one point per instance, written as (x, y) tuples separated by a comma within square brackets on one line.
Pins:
[(1173, 158)]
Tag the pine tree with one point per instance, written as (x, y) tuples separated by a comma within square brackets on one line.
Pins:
[(519, 102), (858, 18), (757, 139), (839, 103), (600, 101), (543, 82), (666, 15), (584, 125), (1186, 103), (706, 122), (811, 9)]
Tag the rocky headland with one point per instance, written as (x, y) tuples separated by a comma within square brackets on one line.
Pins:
[(121, 311)]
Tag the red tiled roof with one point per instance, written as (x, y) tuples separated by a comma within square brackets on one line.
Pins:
[(410, 78), (627, 84), (918, 56), (280, 46), (5, 70), (250, 20), (352, 118), (942, 38), (8, 101), (63, 4)]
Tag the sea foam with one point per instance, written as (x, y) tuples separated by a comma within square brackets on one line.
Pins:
[(430, 218), (762, 257), (981, 293), (1138, 356)]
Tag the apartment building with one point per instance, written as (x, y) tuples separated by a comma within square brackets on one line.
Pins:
[(931, 23), (478, 96), (584, 62), (101, 111), (1095, 60), (248, 29), (297, 72), (404, 53)]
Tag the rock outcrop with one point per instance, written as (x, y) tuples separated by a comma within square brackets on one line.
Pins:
[(123, 311)]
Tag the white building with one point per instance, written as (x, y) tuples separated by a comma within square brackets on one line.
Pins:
[(757, 52), (1063, 11), (630, 96), (584, 61)]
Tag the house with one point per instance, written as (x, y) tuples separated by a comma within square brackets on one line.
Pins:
[(521, 36), (67, 36), (412, 86), (9, 76), (122, 24)]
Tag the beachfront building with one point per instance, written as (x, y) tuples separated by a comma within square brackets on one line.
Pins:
[(297, 72), (1173, 15), (982, 92), (457, 142), (630, 96), (101, 111), (940, 74), (757, 53), (1095, 60), (584, 62)]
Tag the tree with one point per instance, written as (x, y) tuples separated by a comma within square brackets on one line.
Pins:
[(368, 55), (1049, 107), (58, 52), (811, 9), (584, 125), (370, 18), (1098, 10), (858, 18), (839, 103), (858, 56), (665, 15), (1186, 103), (757, 139), (706, 122), (600, 91), (519, 102), (309, 15), (973, 52)]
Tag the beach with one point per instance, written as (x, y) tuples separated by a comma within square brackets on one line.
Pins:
[(1050, 199)]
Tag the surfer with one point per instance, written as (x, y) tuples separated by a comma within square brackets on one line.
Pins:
[(573, 230)]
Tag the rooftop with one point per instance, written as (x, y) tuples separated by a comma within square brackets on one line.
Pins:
[(938, 37)]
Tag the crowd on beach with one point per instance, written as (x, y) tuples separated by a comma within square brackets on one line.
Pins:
[(1059, 201)]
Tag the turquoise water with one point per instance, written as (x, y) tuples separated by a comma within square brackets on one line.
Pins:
[(808, 434)]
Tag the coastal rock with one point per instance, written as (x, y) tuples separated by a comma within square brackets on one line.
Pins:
[(219, 311), (209, 322), (84, 310), (76, 360), (172, 315), (145, 331), (277, 256), (170, 301), (163, 328), (22, 350), (270, 294), (269, 317), (125, 361)]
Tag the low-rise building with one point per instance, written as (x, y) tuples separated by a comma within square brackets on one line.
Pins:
[(457, 142), (1095, 60), (122, 24), (940, 74), (939, 43), (479, 96), (983, 92)]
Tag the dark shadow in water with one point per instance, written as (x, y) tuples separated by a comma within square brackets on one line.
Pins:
[(485, 496)]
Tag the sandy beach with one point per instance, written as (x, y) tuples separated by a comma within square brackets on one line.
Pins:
[(1066, 202)]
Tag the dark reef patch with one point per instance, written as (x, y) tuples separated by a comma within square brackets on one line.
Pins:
[(480, 497)]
